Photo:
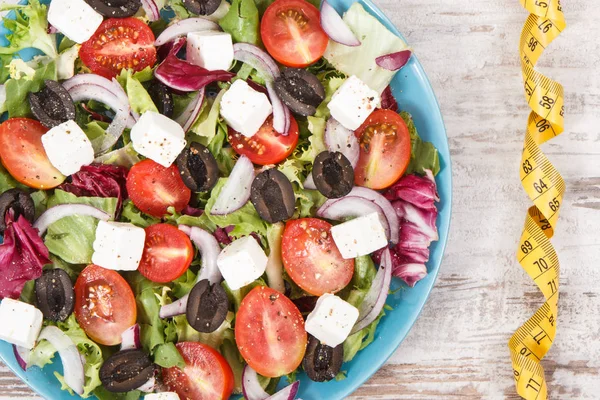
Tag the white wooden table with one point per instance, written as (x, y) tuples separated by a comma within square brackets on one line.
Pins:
[(457, 348)]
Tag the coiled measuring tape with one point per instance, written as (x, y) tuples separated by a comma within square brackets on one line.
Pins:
[(545, 187)]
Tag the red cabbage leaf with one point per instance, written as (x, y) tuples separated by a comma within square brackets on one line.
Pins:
[(388, 101)]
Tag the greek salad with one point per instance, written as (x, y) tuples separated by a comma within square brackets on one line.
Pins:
[(201, 198)]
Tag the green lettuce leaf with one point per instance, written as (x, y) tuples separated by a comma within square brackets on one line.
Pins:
[(17, 103), (423, 155), (40, 201), (184, 284), (102, 394), (308, 201), (29, 28), (8, 182), (132, 214), (139, 99), (205, 127), (166, 355), (242, 22), (361, 339), (230, 351), (126, 157), (154, 331), (71, 238), (185, 333)]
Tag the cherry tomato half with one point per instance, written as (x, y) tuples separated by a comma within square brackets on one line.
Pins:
[(168, 253)]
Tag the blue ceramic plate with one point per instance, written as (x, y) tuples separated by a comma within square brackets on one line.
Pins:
[(415, 95)]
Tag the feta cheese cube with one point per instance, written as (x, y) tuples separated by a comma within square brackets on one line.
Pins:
[(118, 246), (162, 396), (68, 148), (75, 19), (353, 102), (158, 137), (242, 262), (21, 323), (332, 320), (244, 109), (359, 236), (210, 50)]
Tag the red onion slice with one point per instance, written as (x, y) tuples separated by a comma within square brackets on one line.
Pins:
[(151, 9), (338, 138), (236, 191), (253, 391), (352, 207), (189, 115), (386, 207), (394, 61), (130, 338), (22, 355), (287, 393), (149, 386), (375, 299), (335, 27), (177, 307), (185, 26), (309, 183), (71, 360), (55, 213)]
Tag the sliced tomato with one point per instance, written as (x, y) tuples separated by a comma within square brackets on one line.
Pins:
[(384, 150), (104, 304), (291, 31), (269, 332), (168, 253), (119, 43), (23, 154), (312, 259), (266, 146), (206, 376), (153, 188)]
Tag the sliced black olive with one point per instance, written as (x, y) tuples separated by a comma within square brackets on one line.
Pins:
[(54, 294), (126, 370), (300, 90), (198, 168), (321, 362), (202, 7), (333, 174), (52, 105), (162, 98), (21, 204), (207, 306), (115, 8), (273, 196)]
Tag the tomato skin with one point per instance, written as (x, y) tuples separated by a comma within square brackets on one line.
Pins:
[(312, 259), (119, 43), (23, 154), (382, 161), (168, 253), (291, 31), (270, 332), (104, 304), (266, 146), (153, 188), (203, 365)]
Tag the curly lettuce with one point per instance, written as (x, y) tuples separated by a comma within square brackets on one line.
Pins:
[(28, 29)]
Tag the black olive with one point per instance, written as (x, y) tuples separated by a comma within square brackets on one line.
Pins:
[(52, 105), (333, 174), (273, 196), (21, 204), (162, 98), (321, 362), (54, 294), (201, 7), (126, 370), (207, 306), (198, 168), (115, 8), (300, 90)]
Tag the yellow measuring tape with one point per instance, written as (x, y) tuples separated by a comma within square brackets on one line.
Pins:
[(545, 187)]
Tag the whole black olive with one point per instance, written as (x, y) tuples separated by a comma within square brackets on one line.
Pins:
[(207, 306), (54, 294), (300, 90), (52, 105), (21, 204), (333, 174), (162, 98), (198, 168), (115, 8), (201, 7), (126, 370), (321, 362), (273, 196)]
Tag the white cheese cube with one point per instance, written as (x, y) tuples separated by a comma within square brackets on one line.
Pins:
[(162, 396), (21, 323), (75, 19), (242, 262), (68, 148), (359, 236), (118, 246), (244, 109), (353, 102), (210, 50), (158, 137), (332, 320)]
